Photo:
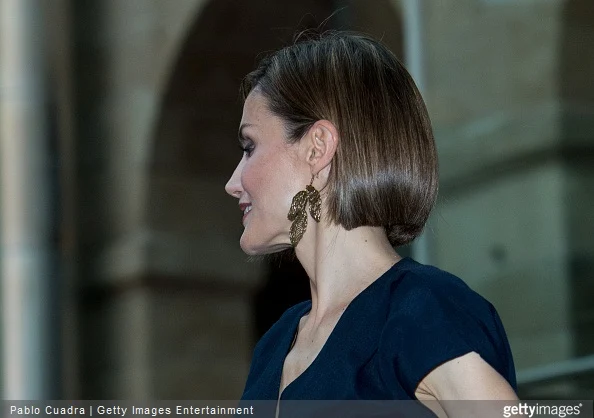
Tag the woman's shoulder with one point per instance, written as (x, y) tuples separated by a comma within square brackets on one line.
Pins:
[(433, 317), (430, 301), (420, 286)]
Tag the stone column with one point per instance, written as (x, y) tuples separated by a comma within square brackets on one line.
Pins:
[(26, 260), (414, 55)]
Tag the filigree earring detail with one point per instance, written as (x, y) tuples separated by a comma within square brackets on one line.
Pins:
[(298, 214)]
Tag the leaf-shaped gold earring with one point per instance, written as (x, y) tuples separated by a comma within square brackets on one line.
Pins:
[(298, 228), (297, 205), (315, 202), (298, 214)]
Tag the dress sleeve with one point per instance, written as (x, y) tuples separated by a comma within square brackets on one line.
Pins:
[(436, 319)]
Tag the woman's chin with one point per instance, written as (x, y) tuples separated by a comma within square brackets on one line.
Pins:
[(261, 249)]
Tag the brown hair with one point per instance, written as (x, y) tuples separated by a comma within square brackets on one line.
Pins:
[(384, 172)]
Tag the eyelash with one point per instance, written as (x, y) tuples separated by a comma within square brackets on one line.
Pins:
[(247, 150)]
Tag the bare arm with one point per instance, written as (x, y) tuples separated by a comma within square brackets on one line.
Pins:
[(468, 377)]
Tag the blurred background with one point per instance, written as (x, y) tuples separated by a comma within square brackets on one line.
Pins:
[(121, 272)]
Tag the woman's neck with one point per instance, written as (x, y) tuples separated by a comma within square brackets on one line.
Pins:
[(340, 263)]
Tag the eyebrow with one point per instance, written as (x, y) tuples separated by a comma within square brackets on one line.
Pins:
[(241, 136)]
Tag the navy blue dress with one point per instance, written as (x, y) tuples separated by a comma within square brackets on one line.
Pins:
[(405, 324)]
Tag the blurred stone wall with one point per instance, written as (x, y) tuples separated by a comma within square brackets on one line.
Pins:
[(512, 109)]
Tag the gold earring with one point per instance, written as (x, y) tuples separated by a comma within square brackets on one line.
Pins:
[(298, 214)]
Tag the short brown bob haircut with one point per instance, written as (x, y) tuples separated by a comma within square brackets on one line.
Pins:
[(384, 172)]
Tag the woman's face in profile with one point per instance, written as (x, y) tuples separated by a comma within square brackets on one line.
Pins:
[(265, 179)]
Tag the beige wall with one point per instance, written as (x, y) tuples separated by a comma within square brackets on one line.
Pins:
[(496, 81)]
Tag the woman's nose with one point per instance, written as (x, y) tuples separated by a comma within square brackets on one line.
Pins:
[(233, 186)]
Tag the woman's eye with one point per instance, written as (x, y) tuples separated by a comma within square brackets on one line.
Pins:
[(247, 150)]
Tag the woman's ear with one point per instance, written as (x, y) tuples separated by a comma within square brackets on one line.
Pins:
[(321, 144)]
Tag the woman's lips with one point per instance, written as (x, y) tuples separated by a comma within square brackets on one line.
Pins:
[(246, 208)]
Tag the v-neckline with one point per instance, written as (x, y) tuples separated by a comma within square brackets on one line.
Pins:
[(306, 311), (295, 328)]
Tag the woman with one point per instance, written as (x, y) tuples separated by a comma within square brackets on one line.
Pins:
[(340, 164)]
